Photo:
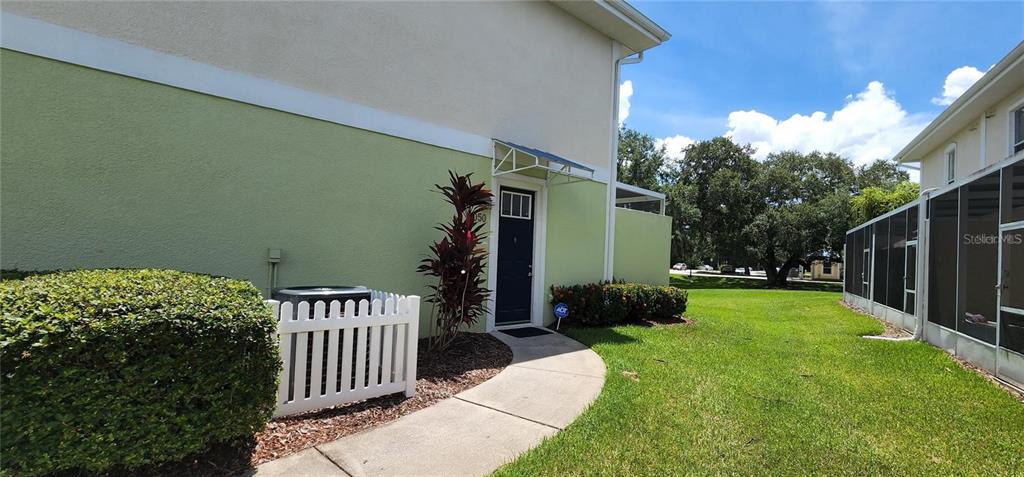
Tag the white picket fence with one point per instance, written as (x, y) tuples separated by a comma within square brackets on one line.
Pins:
[(333, 356)]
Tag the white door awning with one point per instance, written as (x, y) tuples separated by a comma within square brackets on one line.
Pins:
[(511, 158)]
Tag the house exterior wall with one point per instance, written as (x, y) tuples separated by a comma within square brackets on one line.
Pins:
[(575, 236), (198, 136), (101, 170), (479, 74), (968, 145), (642, 246)]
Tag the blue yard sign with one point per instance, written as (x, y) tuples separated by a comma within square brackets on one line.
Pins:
[(561, 311)]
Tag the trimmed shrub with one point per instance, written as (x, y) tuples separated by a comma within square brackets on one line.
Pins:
[(609, 303), (108, 369)]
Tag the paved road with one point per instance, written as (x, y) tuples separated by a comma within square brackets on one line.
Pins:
[(756, 276)]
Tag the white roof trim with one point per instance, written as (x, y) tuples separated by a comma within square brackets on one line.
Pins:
[(1009, 64), (642, 22), (639, 190), (619, 21)]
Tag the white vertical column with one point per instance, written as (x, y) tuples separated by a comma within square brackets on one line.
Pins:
[(921, 286), (983, 143), (412, 307), (609, 232)]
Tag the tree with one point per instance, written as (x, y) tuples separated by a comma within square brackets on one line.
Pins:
[(884, 174), (805, 213), (639, 161), (875, 201), (711, 201), (788, 210), (686, 244), (458, 261)]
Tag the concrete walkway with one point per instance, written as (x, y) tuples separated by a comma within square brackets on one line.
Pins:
[(550, 381)]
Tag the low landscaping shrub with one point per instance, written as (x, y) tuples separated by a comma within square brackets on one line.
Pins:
[(609, 303), (115, 369)]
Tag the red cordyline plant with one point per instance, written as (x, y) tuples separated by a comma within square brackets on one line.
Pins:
[(458, 261)]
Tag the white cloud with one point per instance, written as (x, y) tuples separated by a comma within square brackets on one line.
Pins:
[(674, 145), (625, 92), (957, 82), (869, 126)]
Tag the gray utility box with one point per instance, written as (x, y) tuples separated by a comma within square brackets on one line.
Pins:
[(322, 293)]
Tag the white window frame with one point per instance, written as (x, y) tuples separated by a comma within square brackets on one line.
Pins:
[(523, 198), (950, 157), (1012, 127)]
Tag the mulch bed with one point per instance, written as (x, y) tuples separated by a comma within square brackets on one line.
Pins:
[(472, 359)]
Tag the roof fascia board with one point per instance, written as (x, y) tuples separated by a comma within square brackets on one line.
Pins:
[(1012, 60), (639, 190), (637, 19), (625, 24)]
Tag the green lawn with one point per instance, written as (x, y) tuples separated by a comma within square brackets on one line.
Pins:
[(773, 382)]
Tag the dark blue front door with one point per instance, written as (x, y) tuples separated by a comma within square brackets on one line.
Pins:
[(515, 257)]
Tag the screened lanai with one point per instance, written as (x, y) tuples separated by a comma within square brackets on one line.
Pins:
[(954, 273)]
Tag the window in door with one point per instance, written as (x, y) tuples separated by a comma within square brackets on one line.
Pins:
[(515, 205)]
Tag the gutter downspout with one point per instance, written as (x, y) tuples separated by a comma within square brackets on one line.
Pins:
[(609, 233), (923, 244)]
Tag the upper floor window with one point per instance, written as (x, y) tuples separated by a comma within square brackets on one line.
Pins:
[(1017, 118), (951, 163)]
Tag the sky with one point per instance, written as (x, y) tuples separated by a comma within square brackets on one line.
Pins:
[(858, 79)]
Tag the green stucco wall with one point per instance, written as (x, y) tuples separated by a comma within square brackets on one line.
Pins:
[(575, 236), (100, 170), (642, 246)]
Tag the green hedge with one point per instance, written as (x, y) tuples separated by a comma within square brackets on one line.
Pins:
[(116, 369), (607, 303)]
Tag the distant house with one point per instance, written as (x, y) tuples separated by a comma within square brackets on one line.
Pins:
[(826, 270), (951, 265), (216, 137)]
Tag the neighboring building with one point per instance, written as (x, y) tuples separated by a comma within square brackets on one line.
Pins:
[(826, 270), (210, 137), (951, 265)]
